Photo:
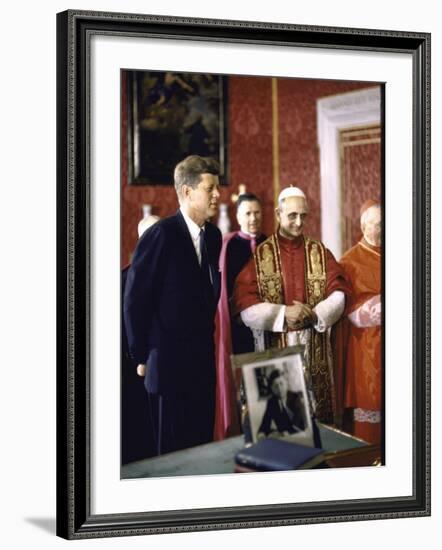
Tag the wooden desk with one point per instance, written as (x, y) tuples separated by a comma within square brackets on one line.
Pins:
[(218, 458)]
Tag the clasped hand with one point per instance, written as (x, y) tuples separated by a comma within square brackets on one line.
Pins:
[(371, 311), (141, 369), (299, 315)]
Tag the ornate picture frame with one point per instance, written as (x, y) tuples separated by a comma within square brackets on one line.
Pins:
[(76, 226)]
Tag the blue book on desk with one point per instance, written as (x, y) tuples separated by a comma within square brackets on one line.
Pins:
[(270, 455)]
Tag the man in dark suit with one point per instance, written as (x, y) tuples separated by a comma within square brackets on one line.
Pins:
[(137, 440), (171, 296), (284, 412)]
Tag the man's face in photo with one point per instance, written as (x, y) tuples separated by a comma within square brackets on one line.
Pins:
[(291, 216), (279, 387), (249, 217)]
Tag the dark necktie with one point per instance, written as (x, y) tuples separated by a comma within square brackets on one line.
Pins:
[(205, 268), (285, 410)]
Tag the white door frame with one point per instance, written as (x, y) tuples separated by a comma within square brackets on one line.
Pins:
[(343, 111)]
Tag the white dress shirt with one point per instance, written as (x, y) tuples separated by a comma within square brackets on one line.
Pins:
[(195, 232)]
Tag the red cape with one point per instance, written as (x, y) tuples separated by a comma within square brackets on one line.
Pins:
[(226, 408)]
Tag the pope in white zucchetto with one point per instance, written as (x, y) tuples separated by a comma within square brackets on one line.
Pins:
[(292, 292)]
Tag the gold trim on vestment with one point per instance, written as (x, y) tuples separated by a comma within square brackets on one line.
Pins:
[(315, 271), (317, 358), (270, 285), (269, 276), (268, 269)]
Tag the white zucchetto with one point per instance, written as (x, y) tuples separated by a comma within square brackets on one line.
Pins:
[(291, 192)]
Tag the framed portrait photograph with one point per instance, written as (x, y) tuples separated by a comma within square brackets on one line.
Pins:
[(237, 267), (277, 399)]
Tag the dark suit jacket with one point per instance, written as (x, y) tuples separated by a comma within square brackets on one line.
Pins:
[(169, 320), (291, 422), (136, 424)]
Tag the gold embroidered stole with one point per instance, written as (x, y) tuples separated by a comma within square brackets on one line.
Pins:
[(317, 350), (270, 284), (269, 276)]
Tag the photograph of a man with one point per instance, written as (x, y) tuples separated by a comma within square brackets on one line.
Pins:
[(284, 410), (170, 300)]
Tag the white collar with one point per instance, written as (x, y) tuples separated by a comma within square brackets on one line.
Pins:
[(194, 228), (249, 234)]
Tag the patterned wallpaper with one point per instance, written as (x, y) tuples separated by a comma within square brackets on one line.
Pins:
[(251, 142), (250, 151), (299, 151), (360, 177)]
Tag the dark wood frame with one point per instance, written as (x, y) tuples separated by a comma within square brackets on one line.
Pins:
[(74, 519)]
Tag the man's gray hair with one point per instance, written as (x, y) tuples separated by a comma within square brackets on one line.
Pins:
[(189, 171), (364, 215)]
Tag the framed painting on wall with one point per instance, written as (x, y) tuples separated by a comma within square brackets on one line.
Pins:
[(170, 116)]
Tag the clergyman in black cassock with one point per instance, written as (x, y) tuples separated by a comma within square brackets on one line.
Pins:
[(232, 335), (238, 253)]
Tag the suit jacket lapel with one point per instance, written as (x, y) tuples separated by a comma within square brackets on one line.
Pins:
[(190, 252)]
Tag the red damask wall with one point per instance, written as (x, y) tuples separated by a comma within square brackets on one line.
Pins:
[(361, 174), (298, 146), (250, 143), (250, 150)]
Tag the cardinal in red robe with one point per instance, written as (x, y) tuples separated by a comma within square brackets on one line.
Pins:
[(363, 364)]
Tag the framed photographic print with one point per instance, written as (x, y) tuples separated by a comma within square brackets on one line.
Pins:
[(277, 399), (343, 115)]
